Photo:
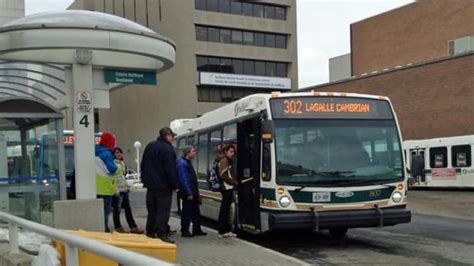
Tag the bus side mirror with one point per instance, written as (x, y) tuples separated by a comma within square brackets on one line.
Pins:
[(267, 131)]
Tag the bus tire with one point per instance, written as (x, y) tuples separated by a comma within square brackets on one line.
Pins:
[(338, 233)]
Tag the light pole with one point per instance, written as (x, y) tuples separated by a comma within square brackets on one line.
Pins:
[(137, 146)]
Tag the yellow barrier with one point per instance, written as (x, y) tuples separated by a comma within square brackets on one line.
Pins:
[(133, 242)]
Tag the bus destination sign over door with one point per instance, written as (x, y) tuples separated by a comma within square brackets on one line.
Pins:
[(330, 107)]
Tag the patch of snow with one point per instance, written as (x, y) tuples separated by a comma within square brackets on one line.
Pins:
[(27, 240), (48, 256)]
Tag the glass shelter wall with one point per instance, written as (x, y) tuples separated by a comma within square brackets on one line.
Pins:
[(29, 168)]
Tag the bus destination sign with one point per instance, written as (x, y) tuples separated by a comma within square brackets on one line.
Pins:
[(330, 107)]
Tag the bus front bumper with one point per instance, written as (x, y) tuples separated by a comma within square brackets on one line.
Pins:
[(339, 219)]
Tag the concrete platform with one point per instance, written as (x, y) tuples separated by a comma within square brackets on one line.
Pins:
[(212, 250)]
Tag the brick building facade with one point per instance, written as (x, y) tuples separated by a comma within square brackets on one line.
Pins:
[(410, 34), (432, 99), (403, 54)]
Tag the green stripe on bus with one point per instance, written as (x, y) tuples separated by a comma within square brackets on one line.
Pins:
[(268, 193)]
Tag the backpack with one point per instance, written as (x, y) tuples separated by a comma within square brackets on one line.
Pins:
[(213, 178)]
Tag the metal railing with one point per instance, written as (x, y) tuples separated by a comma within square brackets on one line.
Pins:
[(72, 243)]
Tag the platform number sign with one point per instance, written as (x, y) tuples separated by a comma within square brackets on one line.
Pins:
[(84, 105), (84, 121)]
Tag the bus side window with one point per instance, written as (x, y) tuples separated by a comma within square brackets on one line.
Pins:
[(202, 154), (439, 157), (266, 162), (461, 156)]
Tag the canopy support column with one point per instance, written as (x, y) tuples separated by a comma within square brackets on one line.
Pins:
[(83, 113)]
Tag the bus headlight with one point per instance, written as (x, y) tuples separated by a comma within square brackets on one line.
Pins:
[(397, 197), (285, 201)]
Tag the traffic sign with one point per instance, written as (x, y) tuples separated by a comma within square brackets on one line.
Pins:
[(130, 77), (84, 102)]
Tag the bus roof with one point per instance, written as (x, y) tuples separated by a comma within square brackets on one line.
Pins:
[(248, 106), (437, 142)]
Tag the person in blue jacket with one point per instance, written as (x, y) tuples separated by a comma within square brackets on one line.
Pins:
[(189, 193)]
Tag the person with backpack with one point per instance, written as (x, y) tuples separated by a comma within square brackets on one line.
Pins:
[(189, 193), (225, 172)]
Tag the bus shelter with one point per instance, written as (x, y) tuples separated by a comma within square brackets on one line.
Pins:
[(58, 60), (32, 172)]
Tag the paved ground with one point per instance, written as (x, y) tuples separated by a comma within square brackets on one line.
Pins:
[(211, 250), (441, 233)]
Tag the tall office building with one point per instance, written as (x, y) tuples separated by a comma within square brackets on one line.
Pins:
[(11, 10), (225, 50)]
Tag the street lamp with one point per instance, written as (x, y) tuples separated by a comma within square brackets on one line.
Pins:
[(137, 146)]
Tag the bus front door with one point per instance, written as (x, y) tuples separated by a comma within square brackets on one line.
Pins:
[(248, 169)]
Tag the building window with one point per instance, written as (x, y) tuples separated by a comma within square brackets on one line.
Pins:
[(243, 8), (280, 41), (219, 94), (270, 12), (270, 40), (461, 156), (202, 62), (239, 66), (281, 70), (200, 4), (249, 67), (260, 68), (258, 11), (236, 7), (248, 38), (213, 34), (280, 13), (247, 9), (439, 157), (259, 39), (225, 36), (270, 69), (224, 6), (226, 65), (234, 36), (201, 33), (212, 5), (214, 61)]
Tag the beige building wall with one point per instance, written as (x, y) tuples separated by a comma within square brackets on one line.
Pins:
[(11, 10), (138, 112)]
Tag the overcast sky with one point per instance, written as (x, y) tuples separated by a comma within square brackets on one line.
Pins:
[(323, 29)]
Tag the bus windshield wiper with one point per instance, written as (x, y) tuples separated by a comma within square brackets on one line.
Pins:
[(368, 182), (333, 173)]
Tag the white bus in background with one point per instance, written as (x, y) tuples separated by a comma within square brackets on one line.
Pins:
[(441, 162)]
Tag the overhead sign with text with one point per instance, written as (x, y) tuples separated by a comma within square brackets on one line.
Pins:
[(130, 76), (222, 79)]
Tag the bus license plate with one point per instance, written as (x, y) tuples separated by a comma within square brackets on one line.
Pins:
[(322, 197)]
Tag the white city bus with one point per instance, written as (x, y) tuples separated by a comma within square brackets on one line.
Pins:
[(443, 162), (305, 160)]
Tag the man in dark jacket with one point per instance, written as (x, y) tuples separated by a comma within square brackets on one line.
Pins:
[(159, 178), (189, 193)]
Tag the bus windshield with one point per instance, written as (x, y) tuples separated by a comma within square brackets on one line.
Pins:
[(337, 152)]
